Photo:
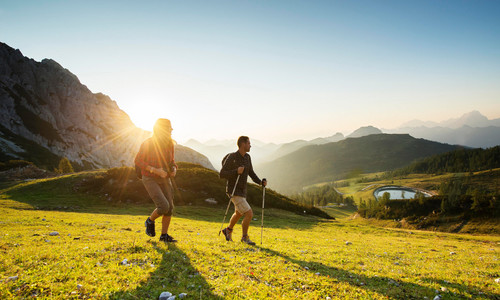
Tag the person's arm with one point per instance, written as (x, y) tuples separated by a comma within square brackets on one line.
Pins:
[(252, 174), (228, 170), (140, 161), (140, 158)]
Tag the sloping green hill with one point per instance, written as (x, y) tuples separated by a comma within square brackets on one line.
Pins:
[(119, 186), (373, 153)]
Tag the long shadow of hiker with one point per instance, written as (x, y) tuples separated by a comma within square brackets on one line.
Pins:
[(392, 288), (175, 274)]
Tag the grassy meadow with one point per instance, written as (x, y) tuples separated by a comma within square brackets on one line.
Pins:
[(58, 243), (363, 189)]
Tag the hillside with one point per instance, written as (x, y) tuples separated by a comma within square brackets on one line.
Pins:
[(462, 160), (62, 244), (465, 202), (46, 114), (323, 163), (120, 186)]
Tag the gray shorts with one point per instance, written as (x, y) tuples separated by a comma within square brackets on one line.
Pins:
[(240, 204), (161, 191)]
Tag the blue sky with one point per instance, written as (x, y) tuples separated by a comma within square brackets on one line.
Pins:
[(273, 70)]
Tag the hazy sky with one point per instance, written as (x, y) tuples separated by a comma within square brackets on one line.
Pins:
[(273, 70)]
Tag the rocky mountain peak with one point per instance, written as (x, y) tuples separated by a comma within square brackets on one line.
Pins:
[(46, 104)]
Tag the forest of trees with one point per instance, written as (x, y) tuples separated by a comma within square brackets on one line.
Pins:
[(463, 160)]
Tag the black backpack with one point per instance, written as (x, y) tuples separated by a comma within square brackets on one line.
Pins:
[(225, 158)]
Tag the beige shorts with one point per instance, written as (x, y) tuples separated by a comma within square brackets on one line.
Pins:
[(240, 204)]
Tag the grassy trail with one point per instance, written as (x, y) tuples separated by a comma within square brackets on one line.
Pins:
[(301, 257)]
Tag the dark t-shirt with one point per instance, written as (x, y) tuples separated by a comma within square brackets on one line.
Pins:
[(229, 171)]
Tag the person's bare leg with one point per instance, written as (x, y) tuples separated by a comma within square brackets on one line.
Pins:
[(246, 222), (154, 215), (165, 223), (234, 219)]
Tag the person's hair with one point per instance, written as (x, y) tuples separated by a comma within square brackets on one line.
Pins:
[(242, 139), (163, 126)]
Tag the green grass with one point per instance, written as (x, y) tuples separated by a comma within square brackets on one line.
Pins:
[(340, 212), (302, 257)]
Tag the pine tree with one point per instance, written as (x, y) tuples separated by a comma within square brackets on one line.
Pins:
[(65, 166)]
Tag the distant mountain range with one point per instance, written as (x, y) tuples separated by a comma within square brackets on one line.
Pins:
[(46, 114), (471, 129), (260, 151), (328, 162), (474, 137), (471, 119)]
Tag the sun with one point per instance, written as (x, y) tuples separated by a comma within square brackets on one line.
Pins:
[(142, 117), (143, 121)]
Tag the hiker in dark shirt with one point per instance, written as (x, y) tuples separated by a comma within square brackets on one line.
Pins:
[(234, 164), (156, 161)]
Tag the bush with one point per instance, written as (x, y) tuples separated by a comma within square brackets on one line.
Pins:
[(14, 164)]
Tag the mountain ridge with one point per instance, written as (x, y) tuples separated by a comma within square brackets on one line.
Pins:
[(473, 119), (322, 163), (465, 135), (44, 104)]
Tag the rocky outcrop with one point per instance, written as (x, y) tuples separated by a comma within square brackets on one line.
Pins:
[(186, 154), (45, 103)]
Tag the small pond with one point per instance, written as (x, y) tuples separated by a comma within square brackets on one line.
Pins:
[(398, 192)]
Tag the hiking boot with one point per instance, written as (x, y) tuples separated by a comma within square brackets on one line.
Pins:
[(247, 240), (227, 233), (150, 227), (167, 238)]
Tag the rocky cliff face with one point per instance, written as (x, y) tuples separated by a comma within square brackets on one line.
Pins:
[(46, 104)]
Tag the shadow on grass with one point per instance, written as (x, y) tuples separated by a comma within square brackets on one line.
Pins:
[(174, 274), (392, 288)]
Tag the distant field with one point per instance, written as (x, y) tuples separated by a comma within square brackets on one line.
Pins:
[(302, 257), (364, 190)]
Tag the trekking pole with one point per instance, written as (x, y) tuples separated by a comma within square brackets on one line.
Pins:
[(229, 204), (174, 186), (263, 200)]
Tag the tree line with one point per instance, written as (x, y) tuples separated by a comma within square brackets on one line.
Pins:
[(462, 160), (322, 196)]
